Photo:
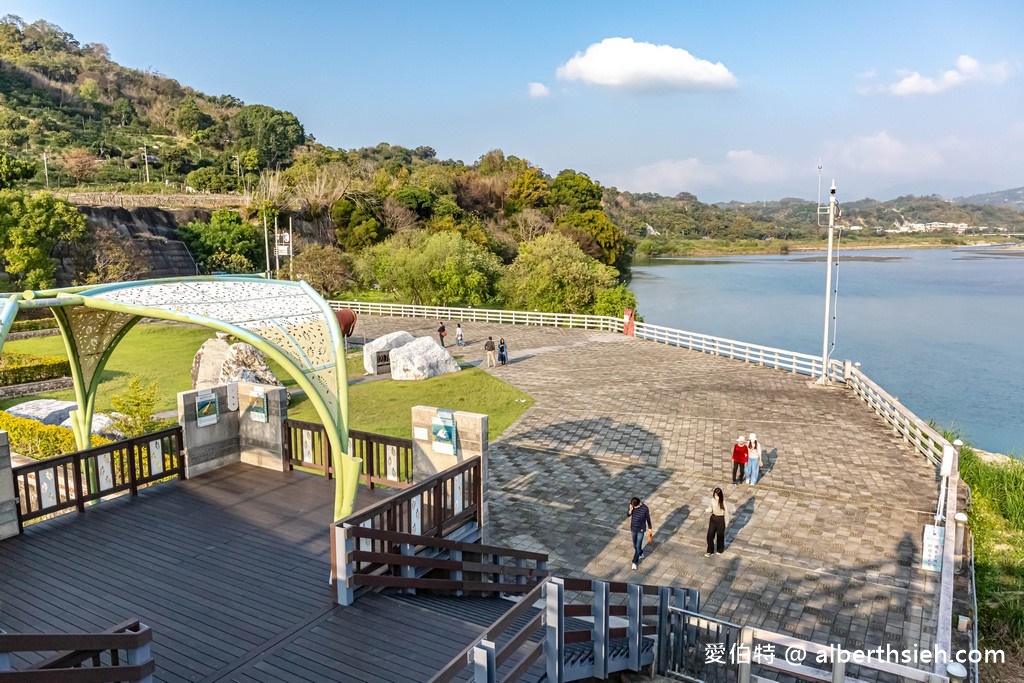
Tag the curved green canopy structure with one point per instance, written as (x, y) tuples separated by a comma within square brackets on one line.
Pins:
[(286, 320)]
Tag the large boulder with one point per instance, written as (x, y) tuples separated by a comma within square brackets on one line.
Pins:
[(420, 359), (101, 424), (392, 340), (218, 362), (49, 411)]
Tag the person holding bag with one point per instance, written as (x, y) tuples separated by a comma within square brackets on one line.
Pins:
[(719, 519)]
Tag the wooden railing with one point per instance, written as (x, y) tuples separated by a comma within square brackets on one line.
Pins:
[(73, 480), (484, 315), (119, 654), (387, 460), (448, 505)]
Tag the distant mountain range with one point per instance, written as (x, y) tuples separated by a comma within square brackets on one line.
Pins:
[(1013, 198)]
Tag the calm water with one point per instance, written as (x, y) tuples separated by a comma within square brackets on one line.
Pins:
[(943, 330)]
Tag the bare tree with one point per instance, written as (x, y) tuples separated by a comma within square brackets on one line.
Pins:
[(80, 163), (397, 217), (529, 224)]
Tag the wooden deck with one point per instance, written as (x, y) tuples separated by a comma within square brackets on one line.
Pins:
[(231, 572)]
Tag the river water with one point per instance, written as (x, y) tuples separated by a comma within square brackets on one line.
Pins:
[(942, 330)]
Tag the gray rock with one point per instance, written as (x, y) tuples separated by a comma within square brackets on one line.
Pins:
[(420, 359), (49, 411), (101, 424), (207, 363), (245, 363), (389, 341)]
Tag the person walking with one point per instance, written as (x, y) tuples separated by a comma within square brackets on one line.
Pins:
[(502, 352), (489, 348), (739, 460), (753, 459), (719, 519), (441, 332), (458, 335), (639, 523)]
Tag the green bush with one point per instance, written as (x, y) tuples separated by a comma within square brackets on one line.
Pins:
[(36, 440), (19, 368), (32, 325)]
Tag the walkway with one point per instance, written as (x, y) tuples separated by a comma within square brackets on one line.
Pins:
[(826, 547)]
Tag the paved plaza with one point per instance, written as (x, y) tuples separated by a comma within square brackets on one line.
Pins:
[(826, 547)]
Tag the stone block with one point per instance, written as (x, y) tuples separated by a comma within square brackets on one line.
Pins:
[(421, 358), (388, 342), (49, 411)]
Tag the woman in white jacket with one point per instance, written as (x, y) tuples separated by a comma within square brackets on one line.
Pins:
[(753, 459)]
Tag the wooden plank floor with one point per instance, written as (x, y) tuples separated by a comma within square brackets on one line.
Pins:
[(224, 568)]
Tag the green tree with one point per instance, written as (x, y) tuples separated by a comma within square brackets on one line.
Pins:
[(576, 191), (594, 227), (614, 301), (89, 90), (552, 274), (207, 179), (226, 234), (417, 199), (190, 119), (122, 113), (529, 190), (31, 226), (222, 262), (328, 270), (136, 404), (272, 133), (438, 270), (12, 170)]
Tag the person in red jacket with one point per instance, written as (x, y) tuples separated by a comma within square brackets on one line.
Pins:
[(739, 460)]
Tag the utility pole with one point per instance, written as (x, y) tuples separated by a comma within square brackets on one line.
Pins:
[(291, 253), (277, 248), (145, 160), (828, 281), (46, 171), (266, 243)]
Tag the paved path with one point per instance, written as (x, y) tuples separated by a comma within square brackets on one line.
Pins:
[(826, 547)]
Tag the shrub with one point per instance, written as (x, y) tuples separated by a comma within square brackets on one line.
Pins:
[(19, 368), (36, 440), (31, 325)]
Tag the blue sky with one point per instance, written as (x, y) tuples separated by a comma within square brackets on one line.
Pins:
[(728, 101)]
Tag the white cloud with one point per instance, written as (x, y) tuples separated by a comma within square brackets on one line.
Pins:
[(738, 170), (967, 69), (539, 90), (625, 64), (883, 154)]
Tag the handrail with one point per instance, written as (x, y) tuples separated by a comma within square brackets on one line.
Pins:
[(487, 315), (459, 663), (68, 481), (74, 649), (375, 450)]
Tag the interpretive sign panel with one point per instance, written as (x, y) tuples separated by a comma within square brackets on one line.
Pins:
[(931, 549), (207, 409)]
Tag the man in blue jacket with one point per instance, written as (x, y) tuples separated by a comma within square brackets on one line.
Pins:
[(639, 523)]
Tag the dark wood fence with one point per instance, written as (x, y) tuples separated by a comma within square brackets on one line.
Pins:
[(119, 654), (387, 460), (70, 481)]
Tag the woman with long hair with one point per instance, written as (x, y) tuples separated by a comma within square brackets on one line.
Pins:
[(719, 519)]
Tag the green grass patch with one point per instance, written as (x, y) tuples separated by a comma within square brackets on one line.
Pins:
[(156, 353), (997, 522)]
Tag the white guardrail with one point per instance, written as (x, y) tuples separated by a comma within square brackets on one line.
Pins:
[(925, 440)]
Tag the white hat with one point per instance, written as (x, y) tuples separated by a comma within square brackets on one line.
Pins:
[(741, 439), (753, 436)]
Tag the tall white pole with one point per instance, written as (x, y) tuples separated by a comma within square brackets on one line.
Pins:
[(291, 247), (277, 248), (828, 282), (266, 242)]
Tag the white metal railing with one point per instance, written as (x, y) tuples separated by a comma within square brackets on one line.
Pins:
[(926, 440), (791, 361), (485, 315)]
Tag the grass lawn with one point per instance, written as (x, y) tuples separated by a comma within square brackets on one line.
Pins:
[(156, 353), (164, 353)]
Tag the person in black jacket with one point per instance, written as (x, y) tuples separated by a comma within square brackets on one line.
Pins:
[(639, 523)]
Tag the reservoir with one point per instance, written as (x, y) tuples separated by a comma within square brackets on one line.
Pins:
[(941, 329)]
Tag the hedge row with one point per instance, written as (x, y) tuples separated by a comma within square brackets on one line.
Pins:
[(36, 440), (19, 368), (31, 325)]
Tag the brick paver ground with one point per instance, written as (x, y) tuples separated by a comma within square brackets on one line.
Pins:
[(826, 547)]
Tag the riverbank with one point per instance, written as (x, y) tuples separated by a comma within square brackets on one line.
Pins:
[(711, 248)]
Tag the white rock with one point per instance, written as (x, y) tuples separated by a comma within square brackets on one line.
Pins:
[(420, 359), (101, 424), (245, 363), (49, 411), (389, 341), (207, 363)]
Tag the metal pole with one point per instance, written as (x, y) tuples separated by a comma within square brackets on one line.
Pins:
[(145, 160), (291, 248), (266, 243), (46, 171), (828, 282), (277, 248)]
